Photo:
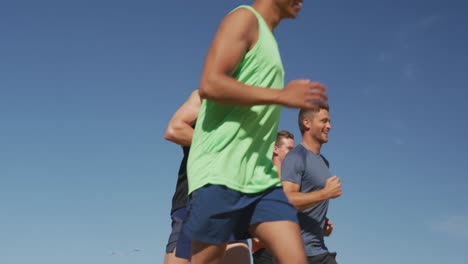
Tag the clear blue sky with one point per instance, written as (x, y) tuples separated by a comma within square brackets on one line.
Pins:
[(87, 88)]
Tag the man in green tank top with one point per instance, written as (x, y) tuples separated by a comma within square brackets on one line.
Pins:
[(233, 185)]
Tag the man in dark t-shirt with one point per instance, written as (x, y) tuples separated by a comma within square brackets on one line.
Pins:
[(178, 248), (180, 131), (179, 199), (178, 215), (309, 186)]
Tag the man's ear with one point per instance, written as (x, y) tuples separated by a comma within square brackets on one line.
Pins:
[(275, 150), (306, 124)]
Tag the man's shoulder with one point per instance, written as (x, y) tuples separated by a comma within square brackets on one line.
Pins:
[(298, 152), (241, 15), (240, 22)]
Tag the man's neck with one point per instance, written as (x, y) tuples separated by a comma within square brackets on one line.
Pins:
[(311, 144), (269, 12), (276, 162)]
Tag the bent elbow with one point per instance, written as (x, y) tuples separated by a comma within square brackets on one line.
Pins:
[(297, 205), (300, 208), (169, 134), (205, 92), (207, 88)]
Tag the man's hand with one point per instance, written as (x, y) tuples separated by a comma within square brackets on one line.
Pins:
[(304, 94), (328, 228), (333, 187)]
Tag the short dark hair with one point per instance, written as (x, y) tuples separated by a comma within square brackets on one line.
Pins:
[(283, 134), (303, 113)]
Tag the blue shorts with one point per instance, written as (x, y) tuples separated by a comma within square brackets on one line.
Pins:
[(217, 212), (177, 239)]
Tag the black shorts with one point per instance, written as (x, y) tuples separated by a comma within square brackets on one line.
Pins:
[(325, 258), (262, 256)]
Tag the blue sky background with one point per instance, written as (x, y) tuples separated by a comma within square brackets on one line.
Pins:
[(87, 88)]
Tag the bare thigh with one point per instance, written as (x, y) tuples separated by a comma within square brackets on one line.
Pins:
[(203, 253), (282, 239), (171, 258), (237, 253)]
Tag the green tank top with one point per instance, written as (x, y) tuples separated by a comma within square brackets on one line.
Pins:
[(233, 145)]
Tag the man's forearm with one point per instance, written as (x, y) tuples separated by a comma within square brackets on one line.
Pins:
[(227, 90), (303, 201), (180, 134)]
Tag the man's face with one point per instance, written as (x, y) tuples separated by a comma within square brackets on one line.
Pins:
[(319, 125), (284, 146), (289, 8)]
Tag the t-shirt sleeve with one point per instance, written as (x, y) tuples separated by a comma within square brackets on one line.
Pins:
[(292, 168)]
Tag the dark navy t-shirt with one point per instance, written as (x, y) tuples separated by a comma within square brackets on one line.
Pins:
[(179, 199), (310, 171)]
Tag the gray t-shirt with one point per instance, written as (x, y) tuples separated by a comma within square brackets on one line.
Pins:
[(310, 171)]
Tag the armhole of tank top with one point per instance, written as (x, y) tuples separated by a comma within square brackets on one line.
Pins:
[(259, 20)]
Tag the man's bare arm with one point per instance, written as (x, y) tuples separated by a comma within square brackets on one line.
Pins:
[(304, 200), (180, 128), (237, 33)]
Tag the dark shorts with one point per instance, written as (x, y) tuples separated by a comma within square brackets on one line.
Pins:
[(177, 239), (217, 212), (325, 258), (262, 256)]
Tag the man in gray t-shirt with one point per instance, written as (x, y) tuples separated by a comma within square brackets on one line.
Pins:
[(308, 184)]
